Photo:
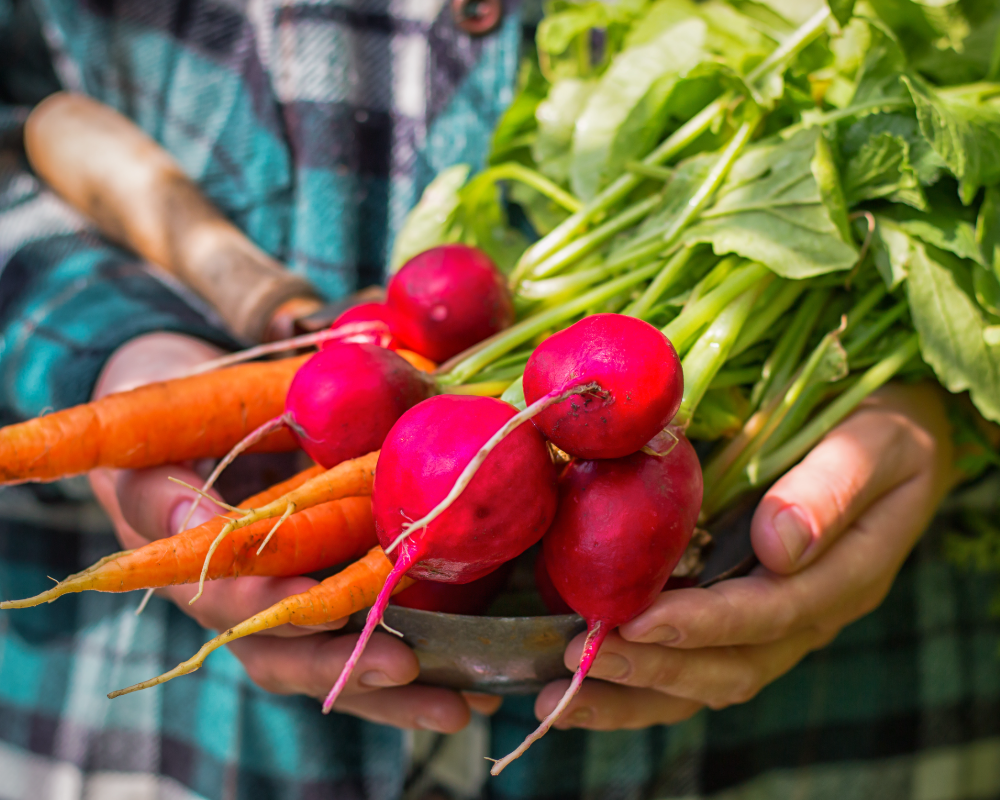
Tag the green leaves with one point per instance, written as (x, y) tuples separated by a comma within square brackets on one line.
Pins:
[(557, 116), (965, 133), (770, 209), (842, 10), (952, 327), (882, 168), (633, 71), (430, 221)]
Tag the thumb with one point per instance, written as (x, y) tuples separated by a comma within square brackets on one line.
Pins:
[(811, 505), (155, 507)]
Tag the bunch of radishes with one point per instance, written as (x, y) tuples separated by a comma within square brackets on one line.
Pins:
[(465, 484)]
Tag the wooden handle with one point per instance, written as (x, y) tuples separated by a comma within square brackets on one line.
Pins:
[(107, 168)]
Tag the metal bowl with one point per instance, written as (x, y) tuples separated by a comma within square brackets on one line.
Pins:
[(519, 655), (498, 655)]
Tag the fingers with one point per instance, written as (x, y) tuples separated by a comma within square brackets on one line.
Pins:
[(377, 689), (485, 704), (156, 507), (813, 503), (714, 676), (226, 603), (150, 358), (850, 580), (601, 706)]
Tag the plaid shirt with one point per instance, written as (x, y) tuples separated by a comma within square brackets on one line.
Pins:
[(314, 125)]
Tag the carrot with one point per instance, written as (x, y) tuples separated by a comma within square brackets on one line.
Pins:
[(340, 595), (161, 423), (317, 538)]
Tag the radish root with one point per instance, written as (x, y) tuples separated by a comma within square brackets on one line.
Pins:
[(595, 638), (536, 408), (373, 332), (251, 439)]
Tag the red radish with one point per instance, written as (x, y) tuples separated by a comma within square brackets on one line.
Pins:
[(455, 598), (371, 321), (550, 597), (447, 299), (602, 388), (639, 375), (340, 405), (506, 508), (622, 526)]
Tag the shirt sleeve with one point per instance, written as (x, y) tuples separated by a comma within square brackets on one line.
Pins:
[(68, 298)]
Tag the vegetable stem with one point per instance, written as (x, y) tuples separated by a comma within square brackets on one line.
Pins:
[(532, 326), (513, 171), (712, 349), (666, 278)]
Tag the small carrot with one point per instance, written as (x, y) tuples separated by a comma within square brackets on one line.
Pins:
[(161, 423), (317, 538), (350, 478), (340, 595)]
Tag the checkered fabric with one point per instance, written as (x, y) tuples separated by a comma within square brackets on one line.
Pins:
[(314, 125)]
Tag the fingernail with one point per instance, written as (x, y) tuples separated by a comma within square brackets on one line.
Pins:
[(793, 531), (427, 724), (201, 515), (663, 634), (611, 666), (377, 679)]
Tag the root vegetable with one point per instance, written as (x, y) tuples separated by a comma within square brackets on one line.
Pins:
[(447, 299), (505, 509), (621, 528)]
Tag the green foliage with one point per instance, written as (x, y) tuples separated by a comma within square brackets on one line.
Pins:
[(770, 209)]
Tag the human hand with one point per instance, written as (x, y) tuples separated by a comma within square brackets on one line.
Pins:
[(144, 505), (830, 535)]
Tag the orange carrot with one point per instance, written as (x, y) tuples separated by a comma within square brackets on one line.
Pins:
[(340, 595), (317, 538), (161, 423), (417, 360)]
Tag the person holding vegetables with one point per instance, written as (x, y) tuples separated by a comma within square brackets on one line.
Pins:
[(832, 534)]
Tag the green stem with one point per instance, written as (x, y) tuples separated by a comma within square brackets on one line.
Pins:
[(712, 181), (779, 366), (682, 330), (595, 238), (794, 44), (616, 191), (669, 148), (527, 329), (844, 113), (512, 171), (780, 297), (671, 271), (871, 332), (712, 349), (649, 171), (796, 447)]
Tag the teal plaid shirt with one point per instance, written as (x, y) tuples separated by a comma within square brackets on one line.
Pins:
[(315, 125)]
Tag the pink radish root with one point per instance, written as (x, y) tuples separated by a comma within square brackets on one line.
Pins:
[(596, 635), (406, 559)]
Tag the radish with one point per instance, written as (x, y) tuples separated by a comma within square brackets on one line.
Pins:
[(373, 320), (602, 388), (640, 380), (622, 526), (455, 598), (341, 404), (546, 590), (507, 508), (447, 299)]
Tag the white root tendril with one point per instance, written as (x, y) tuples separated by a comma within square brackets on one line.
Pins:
[(144, 601), (536, 408), (208, 559), (372, 332), (288, 512), (207, 496), (393, 631), (248, 441)]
